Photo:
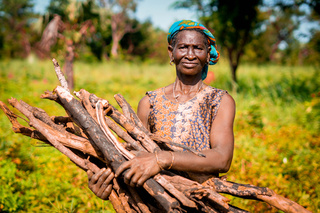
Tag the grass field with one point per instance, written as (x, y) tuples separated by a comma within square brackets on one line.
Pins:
[(277, 140)]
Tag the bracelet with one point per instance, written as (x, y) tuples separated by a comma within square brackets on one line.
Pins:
[(156, 152), (172, 160)]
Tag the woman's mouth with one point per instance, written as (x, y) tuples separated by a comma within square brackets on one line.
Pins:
[(189, 64)]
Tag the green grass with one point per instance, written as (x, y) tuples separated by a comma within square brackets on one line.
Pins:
[(276, 132)]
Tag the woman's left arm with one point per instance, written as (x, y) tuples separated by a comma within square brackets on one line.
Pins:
[(218, 158)]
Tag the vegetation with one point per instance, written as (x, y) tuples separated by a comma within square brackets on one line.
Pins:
[(277, 91), (107, 29), (276, 132)]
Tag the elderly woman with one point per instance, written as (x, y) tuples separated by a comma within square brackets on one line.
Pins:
[(186, 111)]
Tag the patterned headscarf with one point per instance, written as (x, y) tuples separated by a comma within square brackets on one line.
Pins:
[(189, 24)]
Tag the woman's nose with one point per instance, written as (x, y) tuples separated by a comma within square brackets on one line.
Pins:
[(190, 53)]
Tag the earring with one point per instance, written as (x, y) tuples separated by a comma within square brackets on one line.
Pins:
[(171, 62)]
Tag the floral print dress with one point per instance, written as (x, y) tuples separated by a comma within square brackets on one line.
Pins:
[(186, 123)]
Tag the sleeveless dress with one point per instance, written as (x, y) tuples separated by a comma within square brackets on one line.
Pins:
[(186, 123)]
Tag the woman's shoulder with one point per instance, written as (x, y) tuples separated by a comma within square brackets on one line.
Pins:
[(215, 92), (154, 92)]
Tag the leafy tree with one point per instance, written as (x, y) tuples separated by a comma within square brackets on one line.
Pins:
[(146, 43), (121, 23), (15, 27), (70, 24), (233, 22), (312, 51)]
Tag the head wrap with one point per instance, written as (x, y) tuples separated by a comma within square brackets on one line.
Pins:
[(189, 24)]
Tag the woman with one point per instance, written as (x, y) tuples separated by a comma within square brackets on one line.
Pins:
[(186, 111)]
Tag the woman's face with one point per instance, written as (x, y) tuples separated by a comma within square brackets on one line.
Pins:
[(190, 52)]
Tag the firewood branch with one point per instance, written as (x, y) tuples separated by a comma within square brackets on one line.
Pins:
[(89, 137)]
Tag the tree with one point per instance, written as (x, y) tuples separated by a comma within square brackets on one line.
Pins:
[(312, 51), (71, 25), (121, 23), (15, 22), (233, 23)]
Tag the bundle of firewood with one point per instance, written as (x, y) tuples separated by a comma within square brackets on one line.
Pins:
[(87, 135)]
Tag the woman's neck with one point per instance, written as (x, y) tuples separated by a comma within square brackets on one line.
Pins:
[(182, 91)]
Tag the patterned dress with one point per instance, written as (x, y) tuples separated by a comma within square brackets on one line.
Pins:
[(187, 123)]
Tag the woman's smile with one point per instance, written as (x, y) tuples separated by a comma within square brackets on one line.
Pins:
[(189, 64)]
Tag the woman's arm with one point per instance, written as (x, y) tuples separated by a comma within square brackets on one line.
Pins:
[(218, 158)]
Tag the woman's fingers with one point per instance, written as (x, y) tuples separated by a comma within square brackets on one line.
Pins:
[(105, 195), (99, 177), (90, 174), (134, 180), (122, 168), (102, 192), (128, 176), (141, 180), (100, 182)]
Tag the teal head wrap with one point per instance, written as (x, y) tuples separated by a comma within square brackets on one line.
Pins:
[(189, 24)]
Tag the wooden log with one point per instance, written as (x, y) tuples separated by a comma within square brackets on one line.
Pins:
[(134, 131), (142, 206), (88, 124), (174, 146), (54, 137), (18, 128), (189, 188), (257, 193), (177, 194), (84, 96), (103, 125), (65, 138), (123, 195), (47, 132), (129, 112), (60, 75)]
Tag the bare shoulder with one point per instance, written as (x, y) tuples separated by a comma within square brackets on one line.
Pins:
[(227, 101), (227, 109), (144, 103)]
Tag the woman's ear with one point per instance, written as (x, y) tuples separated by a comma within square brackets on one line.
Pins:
[(208, 57), (170, 52)]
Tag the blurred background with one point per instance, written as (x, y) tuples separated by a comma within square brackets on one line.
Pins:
[(270, 64)]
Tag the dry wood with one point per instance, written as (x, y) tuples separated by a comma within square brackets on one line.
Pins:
[(129, 112), (85, 132), (60, 75)]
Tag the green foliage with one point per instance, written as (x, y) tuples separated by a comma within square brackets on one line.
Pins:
[(312, 50), (15, 31), (276, 132)]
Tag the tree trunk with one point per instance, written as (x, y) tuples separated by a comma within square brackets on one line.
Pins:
[(115, 46), (69, 64), (233, 61)]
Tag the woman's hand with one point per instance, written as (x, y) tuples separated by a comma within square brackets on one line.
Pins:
[(100, 183), (139, 169)]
